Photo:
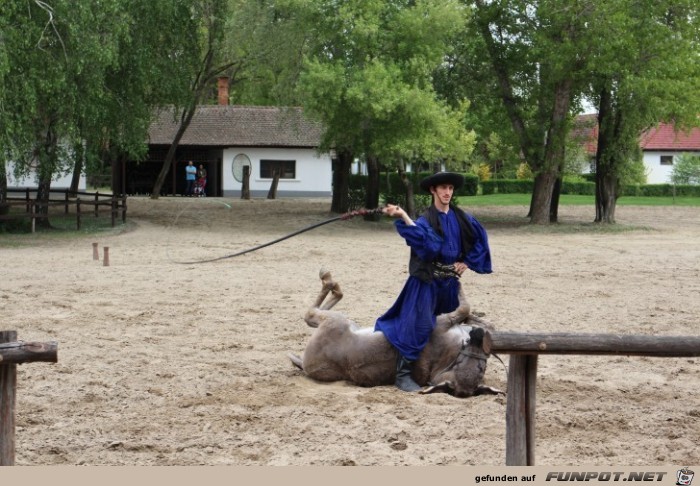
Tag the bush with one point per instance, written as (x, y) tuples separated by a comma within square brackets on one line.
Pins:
[(507, 186), (484, 172), (582, 188), (524, 172), (660, 190)]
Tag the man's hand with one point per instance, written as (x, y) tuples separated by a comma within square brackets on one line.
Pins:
[(395, 211), (460, 267)]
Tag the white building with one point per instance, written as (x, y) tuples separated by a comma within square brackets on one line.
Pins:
[(660, 146), (224, 139), (58, 181)]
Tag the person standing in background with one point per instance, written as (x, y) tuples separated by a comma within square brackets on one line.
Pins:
[(190, 177)]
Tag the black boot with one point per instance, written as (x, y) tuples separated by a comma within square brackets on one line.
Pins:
[(404, 381)]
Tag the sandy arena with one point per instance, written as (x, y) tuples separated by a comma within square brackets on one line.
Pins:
[(162, 363)]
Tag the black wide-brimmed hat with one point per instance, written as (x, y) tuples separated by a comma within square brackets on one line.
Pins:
[(457, 180)]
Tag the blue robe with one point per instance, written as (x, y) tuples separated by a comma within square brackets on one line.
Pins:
[(409, 323)]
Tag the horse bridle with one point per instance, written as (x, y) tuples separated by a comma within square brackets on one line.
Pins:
[(464, 351)]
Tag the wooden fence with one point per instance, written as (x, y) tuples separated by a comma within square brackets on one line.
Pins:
[(524, 349), (13, 353), (66, 199)]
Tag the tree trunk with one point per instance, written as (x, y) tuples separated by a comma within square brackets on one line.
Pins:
[(606, 179), (554, 204), (605, 197), (245, 187), (541, 202), (47, 162), (77, 169), (408, 190), (3, 182), (340, 202), (272, 193), (372, 194), (169, 161), (43, 194), (555, 147)]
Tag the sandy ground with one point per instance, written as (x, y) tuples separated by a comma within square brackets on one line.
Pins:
[(162, 363)]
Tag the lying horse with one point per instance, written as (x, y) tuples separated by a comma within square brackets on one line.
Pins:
[(453, 361)]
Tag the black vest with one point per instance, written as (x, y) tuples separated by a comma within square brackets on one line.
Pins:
[(424, 270)]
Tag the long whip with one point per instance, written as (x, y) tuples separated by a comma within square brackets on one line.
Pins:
[(342, 217)]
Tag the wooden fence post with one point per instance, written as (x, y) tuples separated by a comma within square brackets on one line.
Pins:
[(32, 216), (8, 385), (520, 410), (12, 353), (113, 206)]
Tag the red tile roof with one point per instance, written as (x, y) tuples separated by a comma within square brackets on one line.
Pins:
[(663, 137)]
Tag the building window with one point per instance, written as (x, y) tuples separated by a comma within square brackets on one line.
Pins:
[(286, 168), (667, 160)]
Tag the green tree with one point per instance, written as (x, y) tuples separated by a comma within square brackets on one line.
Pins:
[(537, 59), (368, 78), (56, 58), (81, 80), (646, 70)]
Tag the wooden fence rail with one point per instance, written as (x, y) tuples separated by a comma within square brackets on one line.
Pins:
[(32, 208), (524, 349), (12, 353)]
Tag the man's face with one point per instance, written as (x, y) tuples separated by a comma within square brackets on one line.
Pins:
[(443, 193)]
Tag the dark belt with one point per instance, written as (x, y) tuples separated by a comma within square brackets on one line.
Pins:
[(442, 270)]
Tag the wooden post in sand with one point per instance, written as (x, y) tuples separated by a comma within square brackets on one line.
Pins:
[(12, 353), (8, 385), (105, 261), (95, 252)]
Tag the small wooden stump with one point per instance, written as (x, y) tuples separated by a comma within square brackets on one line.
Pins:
[(95, 252), (105, 260)]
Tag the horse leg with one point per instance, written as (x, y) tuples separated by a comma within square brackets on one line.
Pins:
[(330, 286), (457, 316), (313, 315), (326, 287)]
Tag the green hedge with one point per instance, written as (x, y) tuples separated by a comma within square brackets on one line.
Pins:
[(391, 188), (513, 186), (581, 188), (661, 190)]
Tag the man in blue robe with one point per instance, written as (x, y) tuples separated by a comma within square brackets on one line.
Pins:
[(444, 241)]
